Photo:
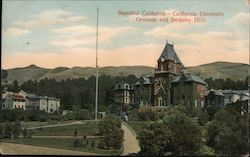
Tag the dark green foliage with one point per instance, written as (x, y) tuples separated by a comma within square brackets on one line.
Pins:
[(4, 74), (30, 133), (110, 128), (1, 130), (25, 132), (17, 129), (154, 139), (227, 133), (14, 87), (8, 130), (77, 143), (226, 84), (78, 93), (176, 134), (93, 144), (186, 137)]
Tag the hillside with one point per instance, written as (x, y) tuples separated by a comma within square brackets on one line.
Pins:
[(62, 73), (235, 71)]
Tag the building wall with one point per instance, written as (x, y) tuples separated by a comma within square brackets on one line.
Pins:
[(53, 105), (19, 104), (230, 98), (143, 95), (188, 93)]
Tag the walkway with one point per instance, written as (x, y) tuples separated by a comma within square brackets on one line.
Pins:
[(131, 144)]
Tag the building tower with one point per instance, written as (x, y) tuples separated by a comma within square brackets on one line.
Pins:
[(168, 66)]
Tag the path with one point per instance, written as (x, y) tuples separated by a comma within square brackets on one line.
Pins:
[(21, 149), (130, 143), (66, 136), (63, 124)]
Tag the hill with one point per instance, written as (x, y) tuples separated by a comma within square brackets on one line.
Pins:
[(235, 71), (62, 73)]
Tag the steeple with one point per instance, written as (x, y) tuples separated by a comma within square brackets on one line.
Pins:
[(169, 53)]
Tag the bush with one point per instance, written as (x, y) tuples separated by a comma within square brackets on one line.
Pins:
[(93, 144), (16, 129), (186, 137), (110, 128), (8, 130), (25, 132), (77, 143), (30, 133)]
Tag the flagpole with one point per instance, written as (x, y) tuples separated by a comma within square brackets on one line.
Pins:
[(97, 68)]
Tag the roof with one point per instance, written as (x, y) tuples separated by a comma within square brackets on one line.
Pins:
[(238, 92), (188, 77), (145, 79), (215, 92), (169, 54), (19, 97), (123, 86)]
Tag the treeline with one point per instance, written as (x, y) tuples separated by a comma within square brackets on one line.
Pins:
[(75, 93), (227, 84), (178, 133)]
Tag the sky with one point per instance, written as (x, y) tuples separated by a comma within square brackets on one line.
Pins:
[(51, 33)]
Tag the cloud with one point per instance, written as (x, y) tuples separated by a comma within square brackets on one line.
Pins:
[(84, 34), (15, 31), (241, 19), (132, 55), (145, 54), (50, 17)]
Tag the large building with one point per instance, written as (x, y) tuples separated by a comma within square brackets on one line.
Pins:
[(168, 67), (30, 102), (169, 84)]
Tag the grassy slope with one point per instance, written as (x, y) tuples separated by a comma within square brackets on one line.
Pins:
[(88, 129), (138, 126), (235, 71), (61, 144)]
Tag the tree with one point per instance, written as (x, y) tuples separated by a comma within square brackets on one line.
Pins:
[(227, 133), (25, 132), (14, 87), (110, 128), (186, 137), (154, 139), (16, 129), (8, 130)]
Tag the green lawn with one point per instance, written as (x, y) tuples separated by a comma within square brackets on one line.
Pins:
[(137, 126), (67, 143), (88, 129), (37, 123)]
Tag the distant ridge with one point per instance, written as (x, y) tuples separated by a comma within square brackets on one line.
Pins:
[(235, 71)]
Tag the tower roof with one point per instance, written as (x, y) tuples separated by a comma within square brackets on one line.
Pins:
[(169, 54)]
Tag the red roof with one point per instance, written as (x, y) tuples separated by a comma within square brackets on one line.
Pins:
[(19, 97)]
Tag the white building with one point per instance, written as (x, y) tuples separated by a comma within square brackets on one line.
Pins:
[(29, 101), (12, 100), (231, 96)]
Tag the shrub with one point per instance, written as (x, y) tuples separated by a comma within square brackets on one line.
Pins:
[(77, 143), (110, 128), (16, 129)]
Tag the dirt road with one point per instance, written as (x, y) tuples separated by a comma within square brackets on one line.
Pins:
[(131, 144), (21, 149)]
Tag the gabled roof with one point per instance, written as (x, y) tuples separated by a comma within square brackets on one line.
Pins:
[(145, 79), (188, 77), (169, 54), (215, 92)]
